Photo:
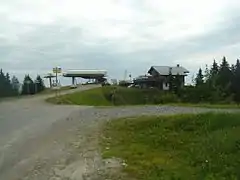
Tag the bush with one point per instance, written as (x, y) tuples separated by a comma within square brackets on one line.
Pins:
[(198, 94), (165, 98), (124, 83), (131, 96), (134, 96), (108, 92)]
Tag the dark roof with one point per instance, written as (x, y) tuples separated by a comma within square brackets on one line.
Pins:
[(164, 70)]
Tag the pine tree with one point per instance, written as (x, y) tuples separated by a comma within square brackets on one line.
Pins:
[(8, 86), (39, 84), (199, 79), (235, 83), (2, 78), (215, 69), (28, 85), (212, 76), (207, 74), (15, 85), (224, 77)]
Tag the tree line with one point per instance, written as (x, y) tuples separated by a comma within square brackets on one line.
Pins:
[(12, 87), (218, 84)]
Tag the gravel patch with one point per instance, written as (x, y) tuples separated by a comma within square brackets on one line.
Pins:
[(68, 149)]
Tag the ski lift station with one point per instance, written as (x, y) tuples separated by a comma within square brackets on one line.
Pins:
[(97, 76)]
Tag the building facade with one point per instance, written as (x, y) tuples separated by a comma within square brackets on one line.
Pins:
[(158, 76)]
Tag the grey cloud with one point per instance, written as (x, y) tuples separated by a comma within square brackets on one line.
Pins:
[(46, 46), (227, 33)]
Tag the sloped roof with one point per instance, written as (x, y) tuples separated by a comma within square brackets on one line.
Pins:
[(164, 70)]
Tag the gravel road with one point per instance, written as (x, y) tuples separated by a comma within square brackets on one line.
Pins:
[(40, 141)]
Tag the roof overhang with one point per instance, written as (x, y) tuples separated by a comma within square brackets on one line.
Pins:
[(49, 75), (86, 74)]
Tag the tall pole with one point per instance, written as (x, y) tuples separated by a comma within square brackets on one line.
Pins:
[(56, 75), (50, 82)]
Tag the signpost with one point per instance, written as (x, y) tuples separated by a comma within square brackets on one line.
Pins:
[(56, 71)]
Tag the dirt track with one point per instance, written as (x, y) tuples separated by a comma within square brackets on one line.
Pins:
[(39, 141)]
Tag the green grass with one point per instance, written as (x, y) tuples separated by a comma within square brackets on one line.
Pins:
[(196, 147), (205, 105), (92, 97), (127, 96), (123, 96)]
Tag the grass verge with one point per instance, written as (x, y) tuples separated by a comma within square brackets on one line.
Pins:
[(203, 146), (114, 96), (92, 97), (205, 105), (127, 96)]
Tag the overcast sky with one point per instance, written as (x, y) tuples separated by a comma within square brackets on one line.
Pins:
[(115, 35)]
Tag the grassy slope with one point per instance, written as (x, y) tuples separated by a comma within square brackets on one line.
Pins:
[(204, 146), (218, 106), (127, 96), (92, 97), (102, 97)]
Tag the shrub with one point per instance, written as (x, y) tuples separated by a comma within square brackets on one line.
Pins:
[(131, 96), (124, 83), (165, 98), (108, 92)]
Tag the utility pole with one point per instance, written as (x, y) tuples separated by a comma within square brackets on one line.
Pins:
[(56, 71)]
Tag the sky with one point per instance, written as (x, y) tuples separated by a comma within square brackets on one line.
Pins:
[(116, 35)]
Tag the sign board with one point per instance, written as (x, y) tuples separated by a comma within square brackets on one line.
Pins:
[(57, 70)]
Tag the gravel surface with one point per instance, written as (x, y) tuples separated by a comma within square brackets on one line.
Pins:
[(39, 141)]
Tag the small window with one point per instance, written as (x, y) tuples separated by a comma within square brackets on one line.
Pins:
[(166, 84)]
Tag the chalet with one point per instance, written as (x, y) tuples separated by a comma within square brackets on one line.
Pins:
[(158, 76)]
